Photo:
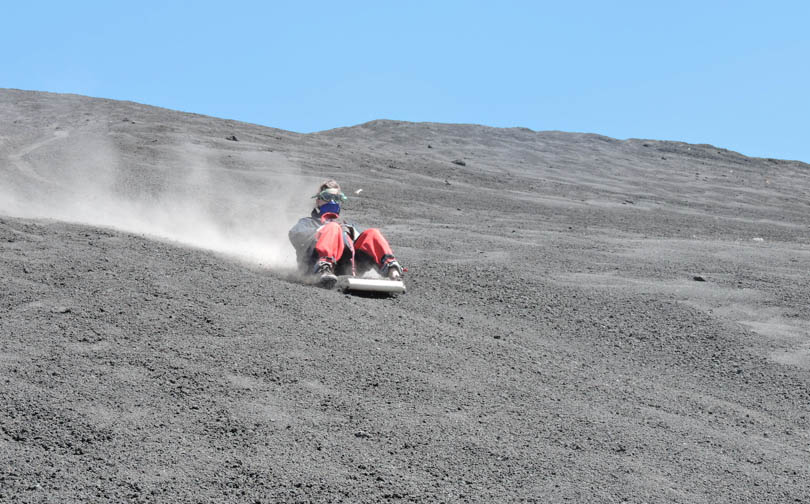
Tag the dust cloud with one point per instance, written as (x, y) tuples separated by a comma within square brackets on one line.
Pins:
[(239, 204)]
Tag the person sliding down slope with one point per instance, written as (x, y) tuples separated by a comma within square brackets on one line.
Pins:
[(327, 245)]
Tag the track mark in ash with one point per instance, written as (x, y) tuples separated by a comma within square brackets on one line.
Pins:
[(24, 166)]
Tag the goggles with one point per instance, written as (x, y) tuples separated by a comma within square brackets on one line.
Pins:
[(326, 195)]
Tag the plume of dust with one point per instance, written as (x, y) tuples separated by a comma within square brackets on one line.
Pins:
[(189, 198)]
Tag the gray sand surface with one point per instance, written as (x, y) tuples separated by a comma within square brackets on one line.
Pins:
[(587, 319)]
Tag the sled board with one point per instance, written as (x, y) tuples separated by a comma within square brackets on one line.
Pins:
[(355, 284)]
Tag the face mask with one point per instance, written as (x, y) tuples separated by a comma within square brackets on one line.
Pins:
[(330, 207)]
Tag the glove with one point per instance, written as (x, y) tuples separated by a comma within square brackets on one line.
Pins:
[(351, 231)]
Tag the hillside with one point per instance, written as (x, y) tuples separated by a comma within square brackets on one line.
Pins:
[(587, 319)]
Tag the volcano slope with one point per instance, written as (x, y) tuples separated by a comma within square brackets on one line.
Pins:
[(587, 319)]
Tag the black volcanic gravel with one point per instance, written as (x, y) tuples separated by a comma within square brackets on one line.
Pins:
[(553, 346)]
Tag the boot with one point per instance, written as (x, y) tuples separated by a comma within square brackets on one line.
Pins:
[(394, 271), (325, 274)]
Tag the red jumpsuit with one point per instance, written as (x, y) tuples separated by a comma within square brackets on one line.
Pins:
[(329, 239)]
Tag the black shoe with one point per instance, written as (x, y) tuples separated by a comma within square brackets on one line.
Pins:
[(325, 273), (394, 271)]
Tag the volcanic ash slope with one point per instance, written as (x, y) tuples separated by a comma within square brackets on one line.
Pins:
[(587, 319)]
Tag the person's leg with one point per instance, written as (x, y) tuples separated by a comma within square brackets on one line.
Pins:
[(374, 244), (329, 245)]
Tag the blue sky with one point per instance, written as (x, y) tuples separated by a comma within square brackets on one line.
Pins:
[(732, 74)]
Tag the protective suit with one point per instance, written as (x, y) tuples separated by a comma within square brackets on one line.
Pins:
[(325, 240)]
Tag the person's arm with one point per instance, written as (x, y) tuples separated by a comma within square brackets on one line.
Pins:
[(303, 233)]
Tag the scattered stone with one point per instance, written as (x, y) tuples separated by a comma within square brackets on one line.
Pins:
[(61, 309), (459, 162), (362, 434), (758, 239), (232, 138)]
